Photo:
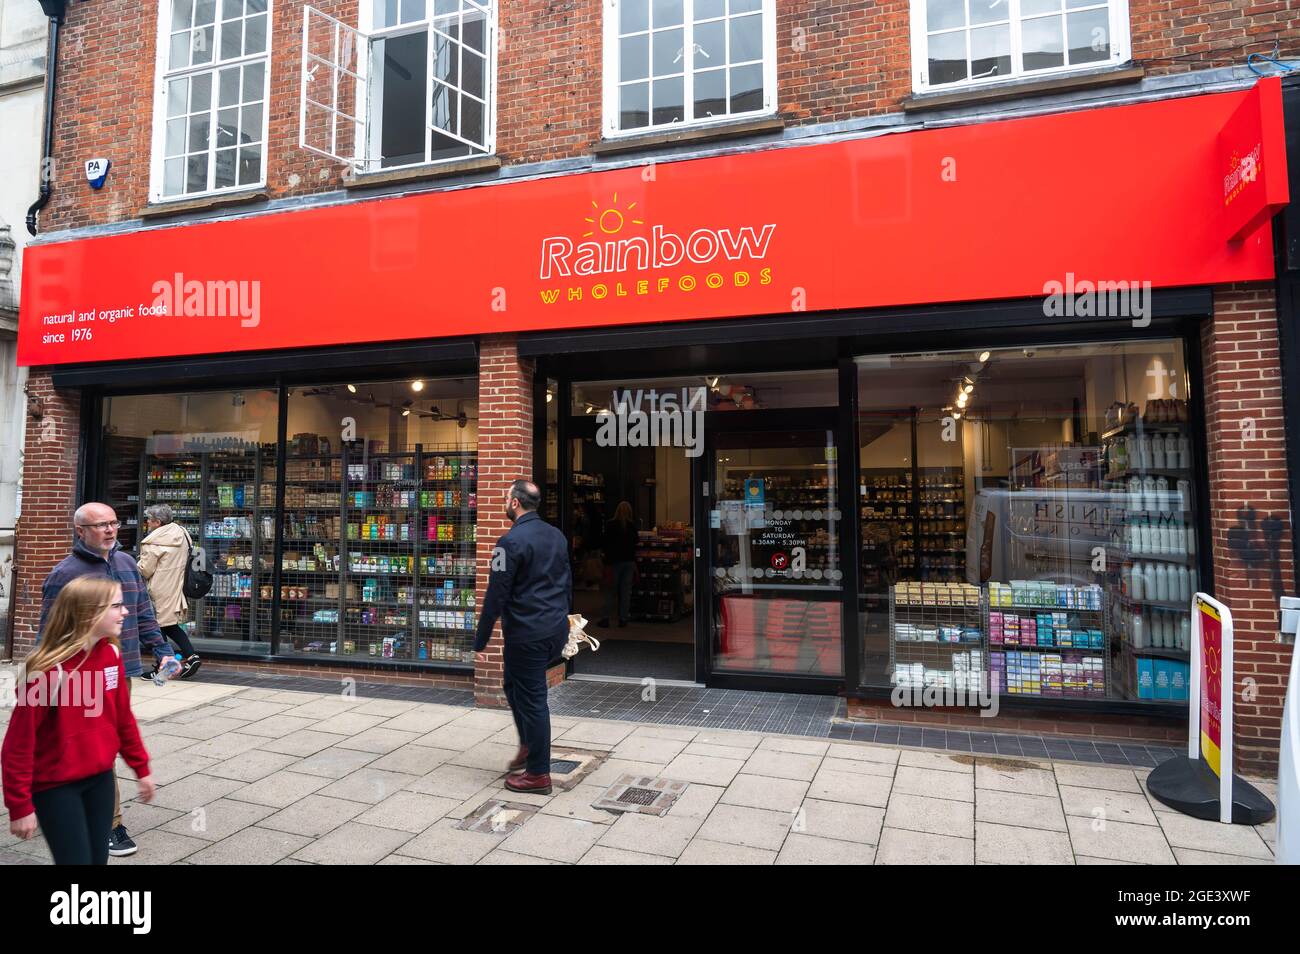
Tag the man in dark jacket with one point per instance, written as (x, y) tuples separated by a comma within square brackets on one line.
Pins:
[(96, 553), (529, 590)]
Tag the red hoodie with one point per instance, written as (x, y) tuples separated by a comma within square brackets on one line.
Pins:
[(62, 736)]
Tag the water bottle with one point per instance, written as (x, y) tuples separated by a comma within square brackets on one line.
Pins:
[(168, 667)]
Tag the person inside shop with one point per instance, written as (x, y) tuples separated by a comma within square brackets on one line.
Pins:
[(59, 749), (96, 552), (528, 590), (620, 540), (164, 554)]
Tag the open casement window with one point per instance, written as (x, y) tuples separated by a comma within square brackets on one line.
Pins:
[(413, 83), (687, 62), (213, 83), (958, 43)]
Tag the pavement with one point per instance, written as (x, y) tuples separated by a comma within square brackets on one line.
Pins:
[(269, 776)]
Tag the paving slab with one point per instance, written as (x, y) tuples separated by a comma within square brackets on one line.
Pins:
[(554, 838), (898, 847), (648, 834), (774, 794), (811, 850), (1121, 841), (408, 811), (353, 844), (217, 820), (704, 852), (602, 855), (252, 846), (939, 816), (1102, 803), (1013, 808), (314, 815), (368, 785), (280, 790), (851, 787), (446, 844), (334, 762), (251, 766), (932, 783), (704, 769), (751, 827), (840, 821), (1008, 845), (1005, 775), (1090, 776)]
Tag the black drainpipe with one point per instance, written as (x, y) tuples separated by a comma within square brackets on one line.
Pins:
[(54, 9)]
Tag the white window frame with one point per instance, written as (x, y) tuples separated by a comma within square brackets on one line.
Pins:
[(365, 155), (610, 70), (1120, 50), (162, 74)]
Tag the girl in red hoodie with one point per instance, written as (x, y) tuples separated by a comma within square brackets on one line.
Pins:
[(72, 719)]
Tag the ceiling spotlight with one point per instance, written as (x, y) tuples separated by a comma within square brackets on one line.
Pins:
[(956, 415), (713, 381), (961, 399), (417, 385), (967, 385), (549, 397), (985, 355), (406, 412), (352, 388)]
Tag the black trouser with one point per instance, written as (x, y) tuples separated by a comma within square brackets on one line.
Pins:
[(75, 819), (524, 681), (176, 633)]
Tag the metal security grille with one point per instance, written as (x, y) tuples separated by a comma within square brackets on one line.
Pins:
[(563, 766), (639, 796)]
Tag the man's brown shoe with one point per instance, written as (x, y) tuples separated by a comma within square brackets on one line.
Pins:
[(520, 761), (528, 782)]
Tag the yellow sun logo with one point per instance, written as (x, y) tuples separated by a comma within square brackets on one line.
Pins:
[(610, 220)]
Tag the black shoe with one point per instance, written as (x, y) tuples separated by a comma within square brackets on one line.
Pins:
[(148, 674), (192, 665), (119, 843), (603, 622)]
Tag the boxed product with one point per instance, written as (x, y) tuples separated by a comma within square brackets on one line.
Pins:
[(1162, 679), (1146, 678)]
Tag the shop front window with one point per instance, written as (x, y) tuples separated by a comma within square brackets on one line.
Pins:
[(1028, 520), (209, 457), (378, 551)]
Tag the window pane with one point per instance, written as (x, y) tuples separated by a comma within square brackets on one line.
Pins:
[(196, 179), (1089, 36), (668, 105), (182, 14), (746, 39), (474, 69), (227, 127), (747, 88), (201, 47), (1073, 4), (255, 36), (250, 129), (990, 51), (666, 13), (634, 57), (444, 107), (231, 9), (200, 92), (444, 7), (173, 176), (231, 34), (710, 93), (446, 56), (988, 11), (709, 8), (634, 106), (175, 137), (474, 32), (1042, 43), (250, 164), (205, 11), (944, 14), (198, 138), (255, 6), (947, 58), (254, 81), (224, 169), (633, 15), (179, 55), (385, 13), (402, 125), (177, 90), (471, 120), (710, 44), (412, 10), (667, 52), (228, 84), (1030, 7), (745, 6)]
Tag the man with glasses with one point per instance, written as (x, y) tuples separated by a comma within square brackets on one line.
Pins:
[(96, 552)]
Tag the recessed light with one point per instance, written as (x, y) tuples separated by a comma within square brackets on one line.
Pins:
[(352, 388), (985, 355), (417, 385)]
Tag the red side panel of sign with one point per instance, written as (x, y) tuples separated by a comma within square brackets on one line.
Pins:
[(991, 210), (1252, 161)]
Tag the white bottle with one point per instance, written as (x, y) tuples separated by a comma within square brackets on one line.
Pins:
[(1149, 580), (1162, 582), (1135, 494), (1166, 538), (1184, 585), (1144, 452), (1126, 579), (1184, 453), (1191, 580), (1137, 584), (1185, 633), (1133, 536), (1137, 633), (1158, 452), (1149, 493), (1162, 495), (1143, 537)]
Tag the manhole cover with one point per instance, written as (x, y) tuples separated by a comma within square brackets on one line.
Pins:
[(563, 766), (641, 793), (639, 796), (569, 766), (496, 817)]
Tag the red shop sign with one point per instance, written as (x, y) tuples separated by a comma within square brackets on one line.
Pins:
[(982, 211), (1252, 160)]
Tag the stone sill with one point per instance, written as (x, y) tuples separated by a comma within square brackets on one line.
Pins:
[(442, 170), (1021, 88), (155, 210), (660, 140)]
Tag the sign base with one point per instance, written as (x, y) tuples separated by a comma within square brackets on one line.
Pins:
[(1192, 788)]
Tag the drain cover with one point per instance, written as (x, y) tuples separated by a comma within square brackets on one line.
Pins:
[(563, 766), (641, 793), (497, 817), (639, 796)]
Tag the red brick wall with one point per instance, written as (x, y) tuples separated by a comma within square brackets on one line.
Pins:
[(505, 454), (835, 61), (50, 467), (1248, 475)]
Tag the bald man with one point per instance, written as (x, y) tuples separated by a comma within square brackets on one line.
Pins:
[(96, 553), (529, 590)]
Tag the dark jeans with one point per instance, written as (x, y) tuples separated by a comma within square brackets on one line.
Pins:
[(524, 681), (620, 594), (75, 819), (176, 633)]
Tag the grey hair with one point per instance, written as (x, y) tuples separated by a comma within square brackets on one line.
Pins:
[(160, 512)]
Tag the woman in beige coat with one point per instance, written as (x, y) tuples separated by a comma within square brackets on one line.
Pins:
[(163, 554)]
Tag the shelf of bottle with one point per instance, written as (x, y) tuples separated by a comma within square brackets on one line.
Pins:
[(1135, 427), (1138, 556), (1177, 606)]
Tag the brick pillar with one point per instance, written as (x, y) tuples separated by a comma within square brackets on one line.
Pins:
[(1248, 469), (44, 532), (505, 454)]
